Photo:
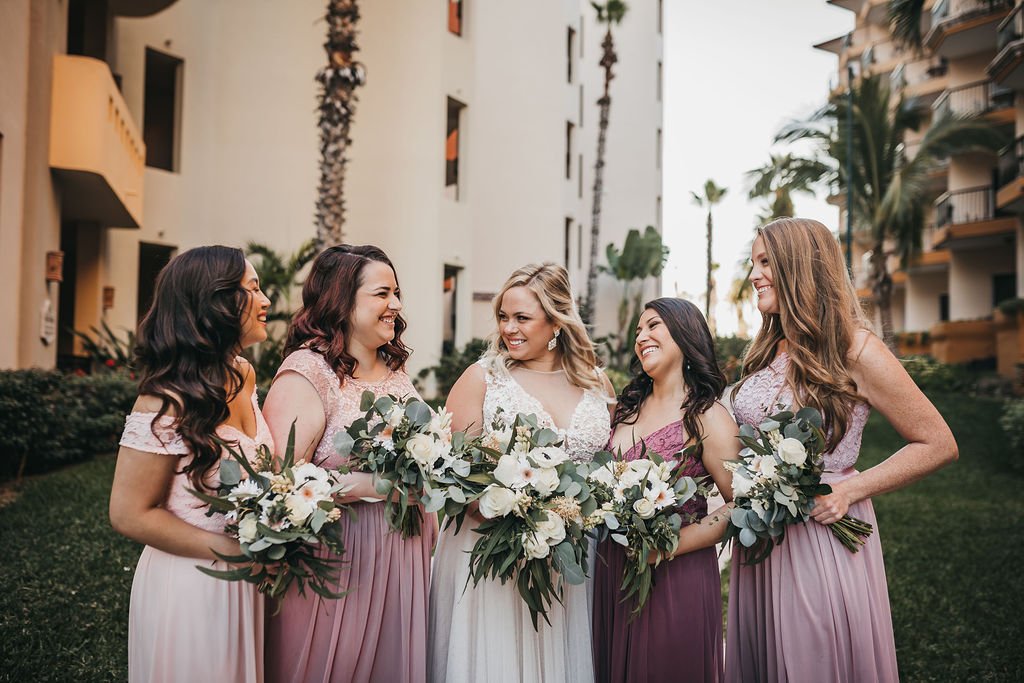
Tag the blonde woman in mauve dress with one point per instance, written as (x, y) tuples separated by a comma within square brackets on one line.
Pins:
[(540, 362), (671, 403), (347, 339), (814, 611), (185, 626)]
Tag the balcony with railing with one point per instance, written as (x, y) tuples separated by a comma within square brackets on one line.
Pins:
[(1010, 194), (964, 27), (981, 98), (1007, 68), (969, 216)]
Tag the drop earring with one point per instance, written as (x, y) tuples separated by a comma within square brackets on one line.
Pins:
[(554, 340)]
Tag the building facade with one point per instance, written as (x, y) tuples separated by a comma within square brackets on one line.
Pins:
[(135, 130), (954, 300)]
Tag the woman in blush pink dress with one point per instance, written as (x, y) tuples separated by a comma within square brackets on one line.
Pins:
[(814, 611), (347, 339), (183, 625)]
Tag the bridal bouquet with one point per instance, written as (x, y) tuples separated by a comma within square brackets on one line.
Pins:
[(281, 512), (412, 454), (775, 481), (639, 500), (537, 507)]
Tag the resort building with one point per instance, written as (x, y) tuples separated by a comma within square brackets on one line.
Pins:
[(130, 131), (958, 299)]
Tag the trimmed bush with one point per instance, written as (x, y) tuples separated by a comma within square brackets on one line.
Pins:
[(50, 419), (1012, 423)]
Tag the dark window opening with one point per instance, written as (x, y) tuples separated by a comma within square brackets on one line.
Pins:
[(569, 127), (568, 241), (160, 120), (451, 148), (450, 309), (944, 308), (1004, 286), (152, 259), (570, 50)]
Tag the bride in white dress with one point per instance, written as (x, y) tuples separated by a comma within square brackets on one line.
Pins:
[(541, 361)]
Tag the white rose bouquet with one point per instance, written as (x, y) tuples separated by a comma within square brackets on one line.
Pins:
[(412, 453), (775, 481), (537, 507), (639, 501), (281, 512)]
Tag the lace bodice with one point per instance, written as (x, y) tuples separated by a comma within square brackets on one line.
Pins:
[(667, 442), (766, 389), (139, 434), (587, 432), (341, 402)]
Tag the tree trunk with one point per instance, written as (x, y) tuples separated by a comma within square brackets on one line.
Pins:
[(589, 312), (707, 293), (881, 289), (338, 81)]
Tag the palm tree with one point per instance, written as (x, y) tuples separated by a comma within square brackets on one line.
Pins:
[(780, 178), (610, 13), (338, 81), (890, 189), (905, 22), (713, 194)]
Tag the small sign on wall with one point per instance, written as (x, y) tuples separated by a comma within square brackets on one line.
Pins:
[(47, 323), (108, 298), (55, 266)]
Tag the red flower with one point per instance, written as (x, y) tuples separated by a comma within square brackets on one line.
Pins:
[(109, 362)]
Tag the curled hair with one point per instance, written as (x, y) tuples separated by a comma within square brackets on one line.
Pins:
[(328, 299), (186, 347), (550, 284), (704, 380), (819, 314)]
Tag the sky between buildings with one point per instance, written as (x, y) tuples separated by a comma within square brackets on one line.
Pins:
[(735, 72)]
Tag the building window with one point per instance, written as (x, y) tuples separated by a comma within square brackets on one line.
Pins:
[(657, 151), (1004, 287), (451, 148), (152, 259), (161, 120), (568, 241), (455, 17), (661, 14), (579, 178), (449, 323), (579, 246), (658, 84), (570, 50), (657, 212), (944, 308), (568, 149)]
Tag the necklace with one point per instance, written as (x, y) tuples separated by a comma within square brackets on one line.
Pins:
[(540, 372)]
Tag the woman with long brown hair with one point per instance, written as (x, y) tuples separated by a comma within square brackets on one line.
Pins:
[(813, 610), (347, 339), (194, 390), (540, 362), (671, 402)]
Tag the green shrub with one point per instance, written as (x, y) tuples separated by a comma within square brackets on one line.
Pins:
[(50, 419), (451, 367), (729, 351), (931, 375), (1012, 423)]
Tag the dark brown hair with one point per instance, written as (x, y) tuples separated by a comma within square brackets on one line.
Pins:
[(186, 346), (328, 298), (704, 380)]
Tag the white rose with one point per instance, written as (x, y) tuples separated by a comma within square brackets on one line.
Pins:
[(552, 529), (497, 501), (765, 466), (644, 508), (603, 475), (498, 439), (534, 546), (507, 471), (421, 449), (394, 416), (300, 507), (546, 481), (247, 529), (549, 456), (741, 486), (441, 425), (792, 451)]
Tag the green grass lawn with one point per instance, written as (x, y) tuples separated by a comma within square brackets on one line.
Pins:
[(952, 555)]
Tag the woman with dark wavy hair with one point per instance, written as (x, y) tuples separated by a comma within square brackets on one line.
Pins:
[(671, 402), (194, 389), (347, 339)]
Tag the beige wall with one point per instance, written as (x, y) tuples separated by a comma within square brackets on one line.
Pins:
[(970, 281), (922, 299)]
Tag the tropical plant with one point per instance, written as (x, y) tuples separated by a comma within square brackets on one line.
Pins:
[(890, 190), (713, 194), (610, 13), (279, 276), (106, 349), (641, 257), (905, 19), (780, 178), (338, 81)]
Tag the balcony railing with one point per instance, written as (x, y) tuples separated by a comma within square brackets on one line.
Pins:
[(964, 9), (1011, 162), (972, 205), (1011, 28), (979, 97)]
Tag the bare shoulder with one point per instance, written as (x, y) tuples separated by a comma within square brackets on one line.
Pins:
[(151, 403), (869, 355), (473, 376), (717, 419), (609, 388)]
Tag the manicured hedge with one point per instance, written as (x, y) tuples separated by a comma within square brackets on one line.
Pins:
[(49, 418)]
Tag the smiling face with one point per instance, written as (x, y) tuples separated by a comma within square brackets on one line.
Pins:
[(254, 318), (376, 306), (523, 325), (762, 279), (655, 347)]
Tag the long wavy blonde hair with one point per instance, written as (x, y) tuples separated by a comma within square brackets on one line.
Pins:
[(819, 315), (550, 284)]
